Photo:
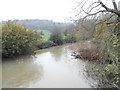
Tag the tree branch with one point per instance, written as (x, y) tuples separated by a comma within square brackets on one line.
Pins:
[(92, 4), (106, 19), (93, 13), (114, 4), (115, 11), (94, 7)]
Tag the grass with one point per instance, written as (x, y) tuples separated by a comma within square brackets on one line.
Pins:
[(46, 35)]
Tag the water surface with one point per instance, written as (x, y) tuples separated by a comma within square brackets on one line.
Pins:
[(49, 68)]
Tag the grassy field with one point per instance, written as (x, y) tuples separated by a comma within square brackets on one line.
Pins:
[(46, 35)]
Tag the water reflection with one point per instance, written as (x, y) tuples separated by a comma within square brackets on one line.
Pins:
[(20, 72), (57, 53), (61, 69)]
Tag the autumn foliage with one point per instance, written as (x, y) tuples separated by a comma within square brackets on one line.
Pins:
[(89, 53), (17, 39)]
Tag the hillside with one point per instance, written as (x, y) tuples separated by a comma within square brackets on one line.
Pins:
[(38, 24)]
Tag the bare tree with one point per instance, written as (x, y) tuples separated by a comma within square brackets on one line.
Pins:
[(89, 9), (115, 10), (119, 5), (96, 8)]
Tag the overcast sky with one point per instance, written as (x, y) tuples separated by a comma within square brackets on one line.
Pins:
[(56, 10)]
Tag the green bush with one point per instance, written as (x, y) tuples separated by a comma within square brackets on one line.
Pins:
[(56, 38), (107, 37), (70, 39), (17, 39)]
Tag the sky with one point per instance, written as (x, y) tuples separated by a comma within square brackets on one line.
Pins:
[(56, 10)]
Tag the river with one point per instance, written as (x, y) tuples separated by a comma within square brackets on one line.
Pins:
[(48, 68)]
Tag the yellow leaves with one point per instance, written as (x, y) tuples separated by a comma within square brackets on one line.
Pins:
[(111, 68), (103, 30), (27, 30), (17, 38)]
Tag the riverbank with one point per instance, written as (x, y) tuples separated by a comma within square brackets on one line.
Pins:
[(42, 46), (49, 44), (102, 70)]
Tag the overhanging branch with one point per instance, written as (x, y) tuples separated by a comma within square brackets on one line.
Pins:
[(93, 13), (115, 11)]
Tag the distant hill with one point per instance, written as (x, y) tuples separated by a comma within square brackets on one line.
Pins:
[(119, 5), (38, 24), (0, 23)]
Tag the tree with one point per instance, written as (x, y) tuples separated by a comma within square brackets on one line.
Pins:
[(95, 8), (107, 34), (56, 36), (84, 29), (17, 39)]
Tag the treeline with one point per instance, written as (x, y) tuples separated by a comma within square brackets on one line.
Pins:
[(37, 24), (59, 36)]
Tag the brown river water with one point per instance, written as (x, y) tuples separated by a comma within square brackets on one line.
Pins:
[(48, 68)]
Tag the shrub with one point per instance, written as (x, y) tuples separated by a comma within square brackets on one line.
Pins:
[(17, 39), (89, 53), (70, 39), (56, 38), (107, 40)]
